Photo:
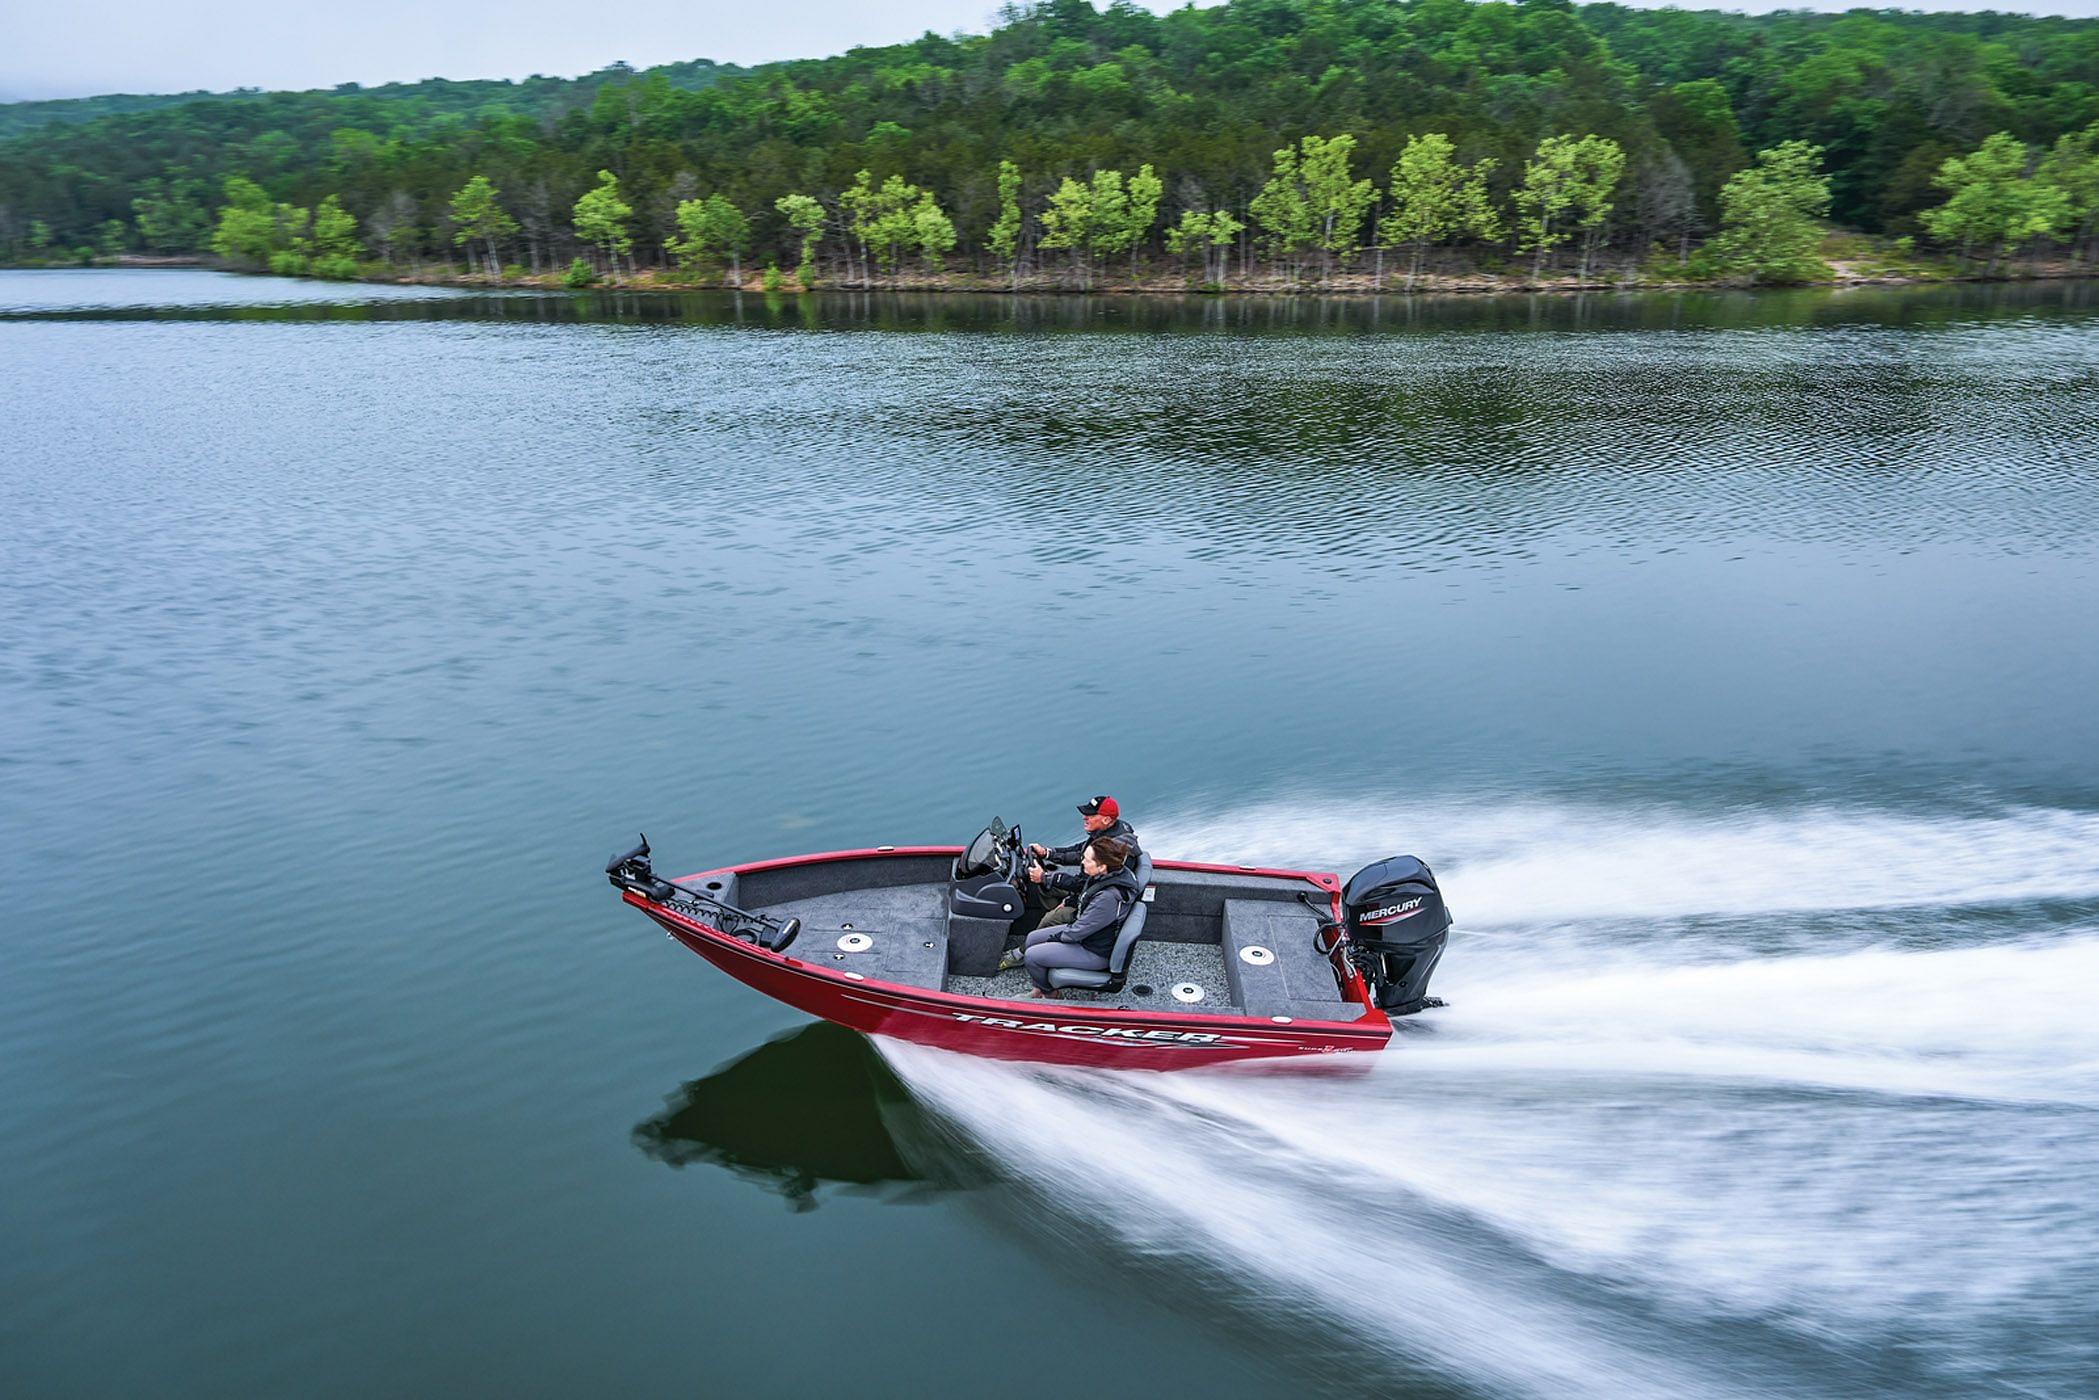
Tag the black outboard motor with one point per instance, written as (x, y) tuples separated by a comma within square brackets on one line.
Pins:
[(1397, 926)]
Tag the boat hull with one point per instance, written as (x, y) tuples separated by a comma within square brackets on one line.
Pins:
[(1042, 1031)]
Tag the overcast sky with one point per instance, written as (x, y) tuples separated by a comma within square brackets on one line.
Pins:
[(82, 47)]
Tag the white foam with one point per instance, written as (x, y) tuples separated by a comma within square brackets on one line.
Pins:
[(2016, 1021), (1161, 1182), (1535, 862), (1707, 1163)]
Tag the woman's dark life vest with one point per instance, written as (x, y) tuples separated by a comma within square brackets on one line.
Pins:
[(1123, 882)]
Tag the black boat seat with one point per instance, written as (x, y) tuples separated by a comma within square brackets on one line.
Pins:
[(1110, 979)]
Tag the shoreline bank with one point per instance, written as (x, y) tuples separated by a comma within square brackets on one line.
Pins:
[(1354, 284)]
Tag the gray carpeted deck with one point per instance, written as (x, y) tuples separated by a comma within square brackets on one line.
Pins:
[(1159, 966), (908, 924), (919, 909)]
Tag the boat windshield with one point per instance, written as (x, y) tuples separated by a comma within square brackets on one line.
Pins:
[(985, 847)]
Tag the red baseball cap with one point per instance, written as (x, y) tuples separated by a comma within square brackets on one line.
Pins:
[(1101, 807)]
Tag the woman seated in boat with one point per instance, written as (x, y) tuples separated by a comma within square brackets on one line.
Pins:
[(1103, 891)]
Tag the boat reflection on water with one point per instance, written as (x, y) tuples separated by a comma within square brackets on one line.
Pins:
[(813, 1107)]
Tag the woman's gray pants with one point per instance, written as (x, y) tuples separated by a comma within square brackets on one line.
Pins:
[(1045, 950)]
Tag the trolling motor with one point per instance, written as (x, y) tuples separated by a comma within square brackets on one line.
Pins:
[(1397, 925), (629, 870)]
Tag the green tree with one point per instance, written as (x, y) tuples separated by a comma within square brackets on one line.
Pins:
[(1206, 234), (1123, 212), (249, 229), (601, 220), (1191, 235), (169, 218), (856, 208), (1068, 222), (254, 230), (1108, 227), (805, 215), (896, 215), (110, 237), (1313, 202), (1566, 190), (1434, 199), (294, 258), (1282, 214), (1003, 238), (1993, 201), (478, 217), (2072, 166), (713, 232), (1770, 216), (932, 231), (1336, 201), (334, 243)]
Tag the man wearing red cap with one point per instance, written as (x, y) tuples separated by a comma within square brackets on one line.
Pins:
[(1103, 817)]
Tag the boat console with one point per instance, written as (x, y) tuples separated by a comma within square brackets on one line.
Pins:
[(985, 899)]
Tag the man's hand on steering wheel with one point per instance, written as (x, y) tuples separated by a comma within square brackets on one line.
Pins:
[(1035, 872), (1039, 849)]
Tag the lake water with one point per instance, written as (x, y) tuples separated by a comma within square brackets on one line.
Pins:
[(1732, 658)]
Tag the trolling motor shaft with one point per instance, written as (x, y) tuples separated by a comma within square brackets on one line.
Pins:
[(630, 870)]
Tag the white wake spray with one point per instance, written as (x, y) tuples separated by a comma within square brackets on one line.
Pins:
[(1706, 1163), (1536, 862)]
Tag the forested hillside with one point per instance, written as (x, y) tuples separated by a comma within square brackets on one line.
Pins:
[(406, 102), (1564, 131), (19, 117)]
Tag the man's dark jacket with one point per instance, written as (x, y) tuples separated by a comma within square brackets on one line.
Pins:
[(1119, 829)]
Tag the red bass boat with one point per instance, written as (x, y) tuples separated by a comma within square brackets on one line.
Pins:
[(1214, 963)]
